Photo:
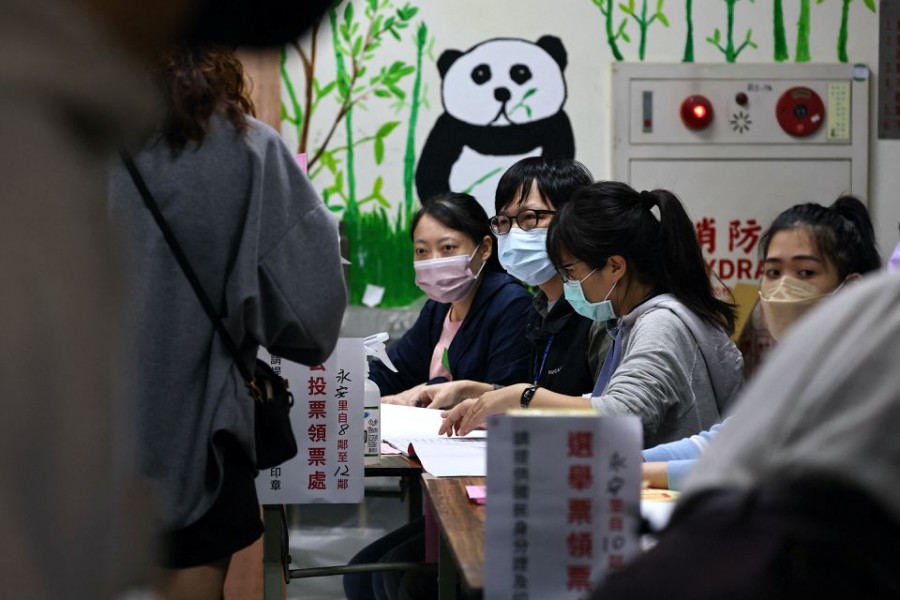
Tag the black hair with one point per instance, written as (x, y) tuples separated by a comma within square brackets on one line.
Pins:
[(610, 218), (460, 212), (557, 179), (842, 232)]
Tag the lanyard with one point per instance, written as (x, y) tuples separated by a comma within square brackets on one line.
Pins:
[(540, 371)]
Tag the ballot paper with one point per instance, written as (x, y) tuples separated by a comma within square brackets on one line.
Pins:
[(414, 432)]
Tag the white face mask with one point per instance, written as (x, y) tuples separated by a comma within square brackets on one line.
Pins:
[(524, 255), (786, 300)]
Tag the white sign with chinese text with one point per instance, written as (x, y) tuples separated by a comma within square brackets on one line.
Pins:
[(563, 503), (327, 418)]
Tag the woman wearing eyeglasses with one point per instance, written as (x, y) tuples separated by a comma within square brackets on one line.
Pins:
[(565, 353), (672, 362), (471, 326)]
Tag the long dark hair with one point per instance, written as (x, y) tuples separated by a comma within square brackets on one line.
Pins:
[(556, 178), (842, 232), (610, 218), (461, 212), (198, 82)]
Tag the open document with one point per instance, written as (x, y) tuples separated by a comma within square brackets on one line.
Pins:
[(414, 431)]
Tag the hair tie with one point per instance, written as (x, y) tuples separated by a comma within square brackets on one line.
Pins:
[(648, 200)]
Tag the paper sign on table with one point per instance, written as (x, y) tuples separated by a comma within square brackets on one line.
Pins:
[(564, 504), (327, 418)]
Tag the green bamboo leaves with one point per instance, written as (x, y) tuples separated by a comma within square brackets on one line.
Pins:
[(358, 31), (613, 33), (722, 39), (409, 157), (731, 51), (803, 29), (644, 21), (845, 23)]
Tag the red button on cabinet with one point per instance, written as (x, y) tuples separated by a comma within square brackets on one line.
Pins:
[(696, 112), (800, 111)]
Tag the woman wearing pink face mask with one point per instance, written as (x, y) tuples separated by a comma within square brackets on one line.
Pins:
[(472, 326)]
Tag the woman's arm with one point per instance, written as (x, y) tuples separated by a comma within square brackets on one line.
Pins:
[(300, 296), (684, 449), (509, 349), (654, 374), (472, 414)]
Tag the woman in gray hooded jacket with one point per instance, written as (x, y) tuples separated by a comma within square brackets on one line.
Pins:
[(672, 362)]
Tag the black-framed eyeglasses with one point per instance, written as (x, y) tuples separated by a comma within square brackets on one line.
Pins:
[(527, 220)]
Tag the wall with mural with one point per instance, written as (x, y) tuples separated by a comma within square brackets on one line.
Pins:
[(394, 101)]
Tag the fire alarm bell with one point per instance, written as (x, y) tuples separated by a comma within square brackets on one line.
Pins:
[(800, 111), (696, 112)]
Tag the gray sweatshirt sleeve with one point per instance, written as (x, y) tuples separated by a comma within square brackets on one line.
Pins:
[(654, 374), (302, 295)]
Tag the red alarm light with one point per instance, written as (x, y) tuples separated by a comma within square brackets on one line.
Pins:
[(696, 112)]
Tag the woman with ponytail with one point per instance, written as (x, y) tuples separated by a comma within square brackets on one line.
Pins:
[(799, 494), (672, 362), (810, 252)]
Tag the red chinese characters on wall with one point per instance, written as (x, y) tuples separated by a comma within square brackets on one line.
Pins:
[(732, 255)]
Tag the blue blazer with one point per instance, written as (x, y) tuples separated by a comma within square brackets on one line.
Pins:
[(490, 346)]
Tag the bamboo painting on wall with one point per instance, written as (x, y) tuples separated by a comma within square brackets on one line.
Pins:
[(356, 100), (376, 227), (616, 17)]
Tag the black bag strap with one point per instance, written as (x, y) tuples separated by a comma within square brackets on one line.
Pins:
[(189, 272)]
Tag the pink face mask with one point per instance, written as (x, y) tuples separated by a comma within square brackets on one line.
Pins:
[(446, 279)]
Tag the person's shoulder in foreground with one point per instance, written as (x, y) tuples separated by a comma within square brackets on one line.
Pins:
[(823, 403), (800, 495)]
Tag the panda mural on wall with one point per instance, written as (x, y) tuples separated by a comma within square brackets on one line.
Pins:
[(503, 101)]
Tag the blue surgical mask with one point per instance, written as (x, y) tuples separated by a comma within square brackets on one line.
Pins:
[(596, 311), (524, 255)]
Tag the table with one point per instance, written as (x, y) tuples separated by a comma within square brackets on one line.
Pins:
[(461, 528), (408, 469), (276, 559), (461, 525)]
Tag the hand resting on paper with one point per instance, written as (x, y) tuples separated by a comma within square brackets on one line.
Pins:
[(446, 395), (407, 398), (472, 413)]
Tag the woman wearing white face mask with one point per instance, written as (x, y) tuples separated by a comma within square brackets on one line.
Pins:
[(810, 252), (471, 326), (672, 362), (797, 497)]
